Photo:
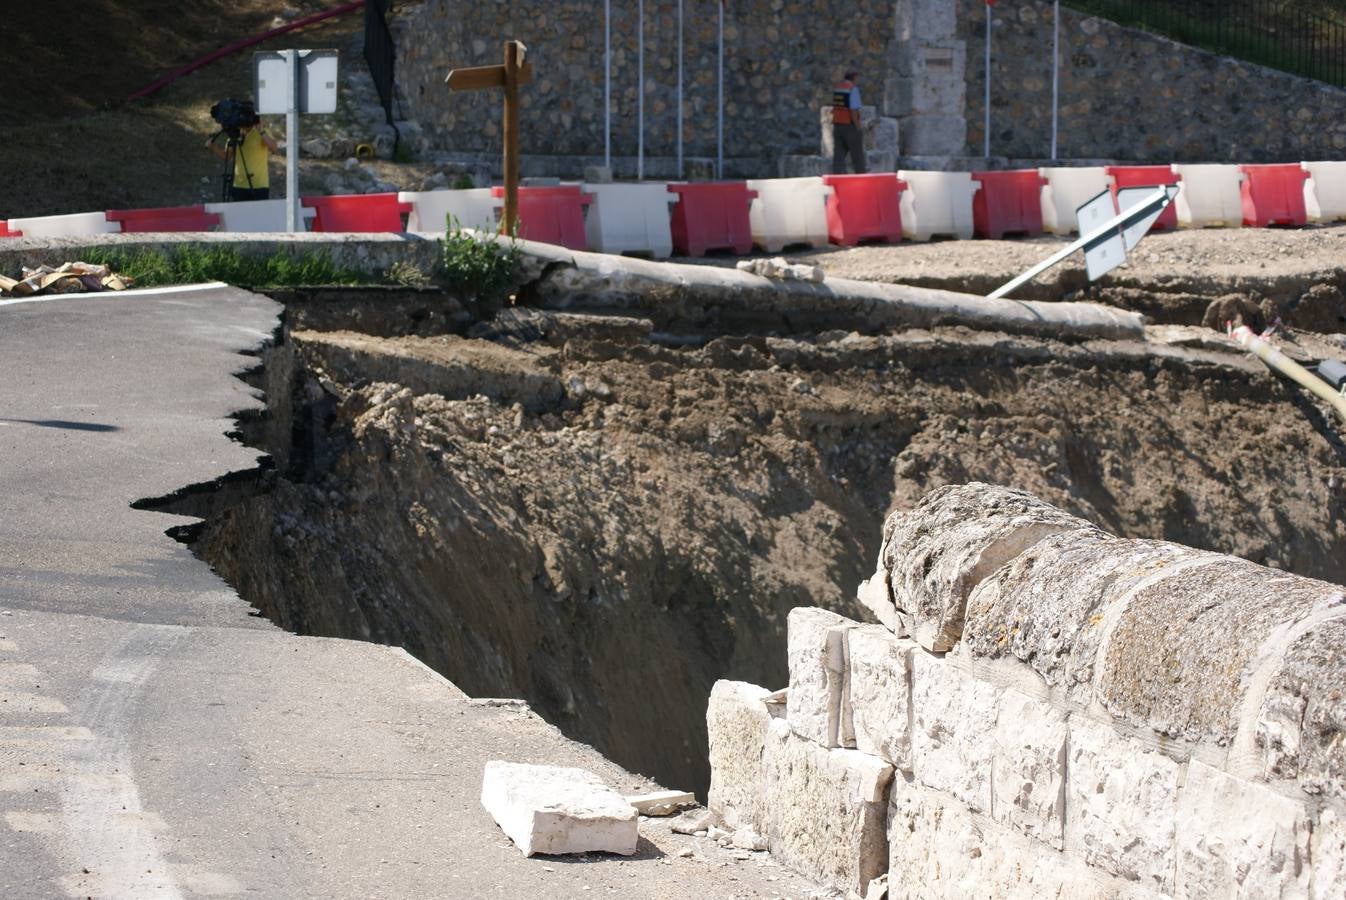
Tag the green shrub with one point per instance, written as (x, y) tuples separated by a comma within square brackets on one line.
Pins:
[(483, 265), (192, 264)]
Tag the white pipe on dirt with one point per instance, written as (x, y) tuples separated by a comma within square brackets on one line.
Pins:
[(1278, 361)]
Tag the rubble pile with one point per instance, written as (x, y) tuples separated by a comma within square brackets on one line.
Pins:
[(68, 278)]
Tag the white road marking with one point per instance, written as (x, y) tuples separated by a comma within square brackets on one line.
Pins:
[(109, 295)]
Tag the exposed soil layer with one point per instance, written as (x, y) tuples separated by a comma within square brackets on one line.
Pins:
[(573, 510)]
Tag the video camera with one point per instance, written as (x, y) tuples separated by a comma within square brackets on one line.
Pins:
[(234, 115)]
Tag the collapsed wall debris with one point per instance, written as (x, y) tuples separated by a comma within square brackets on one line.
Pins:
[(1054, 712)]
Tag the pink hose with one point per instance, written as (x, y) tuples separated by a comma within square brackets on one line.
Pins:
[(243, 44)]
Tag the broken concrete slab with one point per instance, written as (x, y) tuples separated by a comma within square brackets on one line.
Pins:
[(816, 643), (938, 552), (558, 809), (736, 723), (662, 803), (826, 809)]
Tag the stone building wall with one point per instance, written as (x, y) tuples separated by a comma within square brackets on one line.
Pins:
[(782, 57), (1050, 711), (1128, 95)]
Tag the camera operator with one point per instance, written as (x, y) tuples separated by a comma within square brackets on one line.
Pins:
[(248, 143)]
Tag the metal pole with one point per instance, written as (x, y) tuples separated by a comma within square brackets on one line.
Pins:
[(679, 175), (293, 218), (986, 124), (719, 119), (1056, 68), (607, 84), (640, 90)]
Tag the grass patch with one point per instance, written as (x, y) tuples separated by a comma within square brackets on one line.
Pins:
[(485, 267), (187, 264)]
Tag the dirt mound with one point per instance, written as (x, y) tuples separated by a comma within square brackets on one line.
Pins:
[(605, 525)]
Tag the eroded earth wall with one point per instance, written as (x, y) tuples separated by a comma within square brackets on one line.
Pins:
[(1050, 711)]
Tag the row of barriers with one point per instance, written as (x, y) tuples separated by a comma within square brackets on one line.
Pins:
[(660, 219)]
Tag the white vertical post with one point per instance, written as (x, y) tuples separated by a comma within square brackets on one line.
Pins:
[(679, 173), (1056, 68), (607, 84), (719, 119), (293, 219), (986, 124), (640, 90)]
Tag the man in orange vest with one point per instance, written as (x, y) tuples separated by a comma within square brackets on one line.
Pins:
[(846, 137)]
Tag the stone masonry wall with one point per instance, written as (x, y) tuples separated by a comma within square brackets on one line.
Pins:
[(1128, 95), (782, 58), (1050, 711)]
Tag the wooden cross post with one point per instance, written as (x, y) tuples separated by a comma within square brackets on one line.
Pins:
[(509, 76)]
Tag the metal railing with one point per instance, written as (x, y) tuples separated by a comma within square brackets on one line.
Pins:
[(381, 56), (1279, 34)]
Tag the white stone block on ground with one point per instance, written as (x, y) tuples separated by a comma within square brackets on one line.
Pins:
[(826, 809), (953, 730), (954, 538), (1029, 767), (816, 643), (736, 723), (1239, 839), (1121, 804), (557, 809), (879, 690)]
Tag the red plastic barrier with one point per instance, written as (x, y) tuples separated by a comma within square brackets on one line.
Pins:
[(864, 208), (1146, 176), (164, 218), (357, 212), (553, 214), (1273, 195), (711, 215), (1008, 202), (5, 232)]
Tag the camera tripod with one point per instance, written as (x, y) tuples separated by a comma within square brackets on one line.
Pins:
[(231, 147)]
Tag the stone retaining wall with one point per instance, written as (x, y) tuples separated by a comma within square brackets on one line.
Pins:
[(1129, 95), (1057, 713)]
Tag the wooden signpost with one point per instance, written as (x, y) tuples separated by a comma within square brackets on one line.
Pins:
[(509, 76)]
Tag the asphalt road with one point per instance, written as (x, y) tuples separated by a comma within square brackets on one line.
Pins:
[(157, 739)]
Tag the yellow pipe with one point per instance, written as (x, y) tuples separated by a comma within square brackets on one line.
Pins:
[(1277, 360)]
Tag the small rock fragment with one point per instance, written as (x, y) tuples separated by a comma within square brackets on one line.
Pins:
[(693, 821), (748, 839), (661, 803)]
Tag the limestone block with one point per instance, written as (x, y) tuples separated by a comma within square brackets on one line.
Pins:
[(1329, 856), (931, 135), (881, 135), (873, 595), (557, 809), (928, 96), (736, 722), (1239, 839), (1181, 654), (939, 848), (799, 166), (953, 724), (816, 643), (1029, 767), (926, 58), (868, 115), (1048, 606), (1121, 804), (955, 537), (826, 809), (879, 690), (926, 20), (1300, 730)]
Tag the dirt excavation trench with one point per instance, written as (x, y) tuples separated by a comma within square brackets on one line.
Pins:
[(603, 514)]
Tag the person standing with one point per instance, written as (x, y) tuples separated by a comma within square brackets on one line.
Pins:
[(846, 136), (251, 179)]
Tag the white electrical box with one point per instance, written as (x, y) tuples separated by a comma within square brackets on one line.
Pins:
[(317, 81)]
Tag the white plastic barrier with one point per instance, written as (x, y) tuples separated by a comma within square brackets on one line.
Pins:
[(937, 204), (1208, 195), (72, 225), (1066, 190), (256, 215), (788, 211), (1324, 191), (472, 208), (630, 217)]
